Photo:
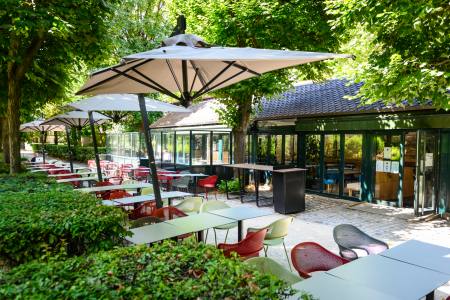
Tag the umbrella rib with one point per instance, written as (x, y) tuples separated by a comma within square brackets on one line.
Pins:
[(200, 76), (135, 79), (247, 69), (173, 75), (222, 82), (193, 81), (161, 88), (205, 87)]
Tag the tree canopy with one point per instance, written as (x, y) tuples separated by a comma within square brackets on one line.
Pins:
[(406, 45)]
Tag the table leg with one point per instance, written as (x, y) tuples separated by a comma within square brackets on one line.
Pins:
[(169, 201), (240, 231), (226, 189), (256, 177), (430, 296), (200, 236), (241, 188), (195, 186)]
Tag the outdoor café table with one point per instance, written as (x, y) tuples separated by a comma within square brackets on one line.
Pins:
[(153, 233), (70, 174), (240, 214), (130, 186), (48, 169), (149, 197), (429, 256), (79, 179), (393, 277), (326, 287)]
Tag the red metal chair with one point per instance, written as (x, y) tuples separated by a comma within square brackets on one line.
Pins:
[(168, 213), (146, 209), (125, 171), (165, 180), (248, 247), (310, 257), (75, 184), (117, 194), (91, 164), (208, 183), (104, 194), (141, 174)]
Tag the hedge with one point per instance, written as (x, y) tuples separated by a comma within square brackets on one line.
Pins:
[(40, 219), (61, 151), (163, 271)]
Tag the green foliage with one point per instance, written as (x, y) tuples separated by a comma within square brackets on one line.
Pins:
[(41, 219), (404, 47), (80, 153), (233, 185), (163, 271)]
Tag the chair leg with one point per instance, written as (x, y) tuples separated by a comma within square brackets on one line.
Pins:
[(265, 250), (287, 256), (226, 235), (206, 237), (215, 237)]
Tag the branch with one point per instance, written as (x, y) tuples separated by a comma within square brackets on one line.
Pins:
[(30, 54)]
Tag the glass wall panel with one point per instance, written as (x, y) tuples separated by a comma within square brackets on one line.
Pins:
[(156, 143), (387, 162), (167, 147), (352, 167), (312, 160), (331, 163), (183, 148), (261, 149), (200, 148), (221, 148), (290, 150), (409, 169), (277, 146)]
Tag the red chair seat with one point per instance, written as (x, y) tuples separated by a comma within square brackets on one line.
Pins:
[(249, 247)]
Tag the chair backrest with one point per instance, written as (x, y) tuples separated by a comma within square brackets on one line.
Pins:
[(213, 205), (103, 183), (168, 213), (146, 209), (266, 265), (143, 222), (190, 204), (279, 228), (252, 243), (91, 163), (141, 172), (117, 194), (181, 181), (210, 180), (147, 190), (310, 257)]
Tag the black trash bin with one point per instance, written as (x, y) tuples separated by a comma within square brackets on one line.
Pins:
[(289, 190)]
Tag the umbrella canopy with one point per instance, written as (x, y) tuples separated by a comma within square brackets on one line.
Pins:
[(75, 119), (123, 102), (38, 126), (187, 65)]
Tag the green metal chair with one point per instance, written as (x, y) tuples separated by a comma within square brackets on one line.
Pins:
[(278, 230), (190, 205), (215, 205), (267, 265)]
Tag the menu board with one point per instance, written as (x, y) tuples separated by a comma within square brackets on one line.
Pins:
[(379, 166), (395, 166), (387, 152), (387, 166), (428, 159)]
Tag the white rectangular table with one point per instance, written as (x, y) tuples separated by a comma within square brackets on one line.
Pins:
[(130, 186), (69, 174), (144, 198)]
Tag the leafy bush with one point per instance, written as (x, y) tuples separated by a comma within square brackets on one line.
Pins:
[(62, 151), (233, 185), (163, 271), (45, 219)]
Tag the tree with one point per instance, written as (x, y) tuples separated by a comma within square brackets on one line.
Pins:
[(406, 44), (46, 41), (294, 25)]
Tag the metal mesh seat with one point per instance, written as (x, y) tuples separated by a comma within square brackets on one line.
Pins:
[(310, 257), (349, 237)]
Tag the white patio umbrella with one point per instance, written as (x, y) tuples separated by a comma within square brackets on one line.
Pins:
[(186, 68), (76, 119), (37, 126), (124, 102)]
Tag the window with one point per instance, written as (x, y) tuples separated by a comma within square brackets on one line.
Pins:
[(313, 162), (183, 148), (200, 148), (221, 148), (352, 166)]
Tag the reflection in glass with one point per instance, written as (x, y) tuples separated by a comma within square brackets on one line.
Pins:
[(331, 163), (312, 160), (221, 146), (261, 150), (290, 150), (409, 169), (352, 167), (167, 147), (183, 148), (277, 149), (386, 160), (200, 148)]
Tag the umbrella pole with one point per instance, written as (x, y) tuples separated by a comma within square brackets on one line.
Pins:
[(69, 149), (150, 154), (94, 141), (43, 147)]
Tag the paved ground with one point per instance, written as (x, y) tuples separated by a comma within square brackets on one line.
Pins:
[(322, 214)]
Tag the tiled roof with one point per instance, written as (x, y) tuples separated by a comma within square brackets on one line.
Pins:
[(323, 99), (203, 113)]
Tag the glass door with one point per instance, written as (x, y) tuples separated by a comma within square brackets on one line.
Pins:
[(425, 201), (331, 163)]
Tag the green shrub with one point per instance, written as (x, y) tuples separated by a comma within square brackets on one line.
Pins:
[(54, 222), (233, 185), (164, 271), (30, 183), (61, 151)]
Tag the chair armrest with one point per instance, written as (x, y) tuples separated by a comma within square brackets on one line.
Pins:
[(254, 229)]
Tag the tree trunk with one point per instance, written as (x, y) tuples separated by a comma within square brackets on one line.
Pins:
[(55, 137), (13, 116), (5, 139), (240, 132)]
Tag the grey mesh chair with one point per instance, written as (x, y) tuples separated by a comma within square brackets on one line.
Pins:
[(181, 184), (349, 237)]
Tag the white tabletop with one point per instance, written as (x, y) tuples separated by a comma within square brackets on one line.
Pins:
[(144, 198), (185, 174), (139, 185), (80, 179), (48, 169), (69, 174)]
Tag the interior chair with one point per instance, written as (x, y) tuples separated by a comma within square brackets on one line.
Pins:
[(310, 257), (276, 233), (215, 205), (248, 247), (208, 183), (349, 238), (190, 205), (267, 265)]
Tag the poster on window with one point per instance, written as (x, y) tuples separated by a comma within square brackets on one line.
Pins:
[(386, 166), (428, 159), (395, 166), (387, 152), (379, 166)]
